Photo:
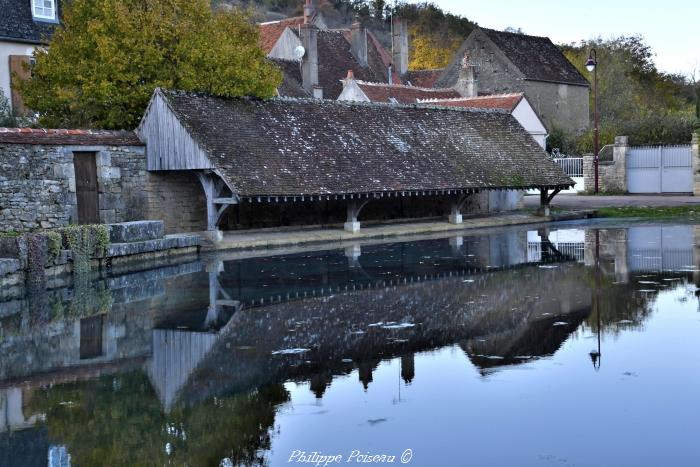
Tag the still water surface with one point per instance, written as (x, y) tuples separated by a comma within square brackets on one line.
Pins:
[(569, 346)]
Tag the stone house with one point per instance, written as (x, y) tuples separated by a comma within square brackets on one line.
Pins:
[(506, 62), (24, 26)]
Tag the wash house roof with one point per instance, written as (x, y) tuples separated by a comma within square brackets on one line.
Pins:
[(291, 147)]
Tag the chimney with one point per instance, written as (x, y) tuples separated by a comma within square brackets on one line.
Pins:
[(308, 33), (358, 42), (309, 12), (399, 45), (466, 84)]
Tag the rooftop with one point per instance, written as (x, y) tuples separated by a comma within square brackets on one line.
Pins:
[(271, 31), (506, 102), (288, 147), (380, 92), (536, 57), (18, 25), (61, 137), (423, 78)]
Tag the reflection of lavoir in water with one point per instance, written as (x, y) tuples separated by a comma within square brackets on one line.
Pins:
[(223, 327)]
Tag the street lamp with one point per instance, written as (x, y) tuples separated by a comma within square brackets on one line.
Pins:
[(592, 67)]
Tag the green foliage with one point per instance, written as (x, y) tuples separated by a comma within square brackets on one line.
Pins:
[(7, 117), (104, 62), (85, 242), (118, 420), (10, 234), (54, 244), (434, 34), (87, 299), (36, 261), (630, 87)]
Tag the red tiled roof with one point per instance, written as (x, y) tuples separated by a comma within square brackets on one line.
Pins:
[(424, 78), (379, 92), (271, 32), (52, 137), (495, 101)]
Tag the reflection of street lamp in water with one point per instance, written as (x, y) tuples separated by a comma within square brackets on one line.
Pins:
[(595, 354)]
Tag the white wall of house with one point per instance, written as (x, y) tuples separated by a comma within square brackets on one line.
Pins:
[(352, 92), (526, 116), (285, 45), (7, 49)]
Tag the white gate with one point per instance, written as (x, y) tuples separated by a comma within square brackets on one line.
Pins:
[(573, 167), (660, 169)]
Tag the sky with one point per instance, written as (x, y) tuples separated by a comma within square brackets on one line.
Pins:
[(670, 27)]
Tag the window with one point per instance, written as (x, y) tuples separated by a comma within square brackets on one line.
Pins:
[(44, 9)]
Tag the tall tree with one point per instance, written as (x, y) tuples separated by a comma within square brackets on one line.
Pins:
[(108, 56)]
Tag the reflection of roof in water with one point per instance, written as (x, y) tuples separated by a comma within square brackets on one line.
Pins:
[(537, 338), (372, 324)]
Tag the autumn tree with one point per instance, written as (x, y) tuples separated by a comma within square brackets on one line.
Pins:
[(108, 56)]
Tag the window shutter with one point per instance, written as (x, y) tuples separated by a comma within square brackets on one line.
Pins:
[(18, 72)]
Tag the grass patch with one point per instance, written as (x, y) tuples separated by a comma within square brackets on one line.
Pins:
[(684, 212)]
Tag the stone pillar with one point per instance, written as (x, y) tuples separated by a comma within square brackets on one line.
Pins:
[(456, 206), (308, 33), (588, 173), (695, 154), (466, 83), (620, 166), (399, 41), (456, 245), (358, 42), (353, 253), (354, 207)]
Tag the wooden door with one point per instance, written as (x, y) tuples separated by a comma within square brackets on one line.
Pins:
[(91, 337), (86, 187)]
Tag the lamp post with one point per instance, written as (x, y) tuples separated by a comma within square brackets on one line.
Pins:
[(592, 66)]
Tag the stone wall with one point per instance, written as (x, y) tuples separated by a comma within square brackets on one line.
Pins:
[(37, 185), (561, 106), (176, 198), (695, 149), (37, 189), (612, 175)]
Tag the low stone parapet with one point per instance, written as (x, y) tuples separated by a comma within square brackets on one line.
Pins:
[(137, 231)]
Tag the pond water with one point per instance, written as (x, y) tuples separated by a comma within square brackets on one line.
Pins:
[(568, 345)]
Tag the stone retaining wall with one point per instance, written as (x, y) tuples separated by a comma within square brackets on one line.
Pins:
[(37, 189), (612, 175), (37, 185)]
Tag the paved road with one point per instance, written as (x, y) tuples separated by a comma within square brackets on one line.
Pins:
[(566, 201)]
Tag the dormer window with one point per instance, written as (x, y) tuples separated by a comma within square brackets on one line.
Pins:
[(44, 10)]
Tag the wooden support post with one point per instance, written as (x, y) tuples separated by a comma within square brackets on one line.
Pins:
[(546, 199), (456, 209), (219, 197), (354, 207)]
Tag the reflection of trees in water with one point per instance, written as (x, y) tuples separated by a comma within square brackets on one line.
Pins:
[(623, 301), (118, 420)]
